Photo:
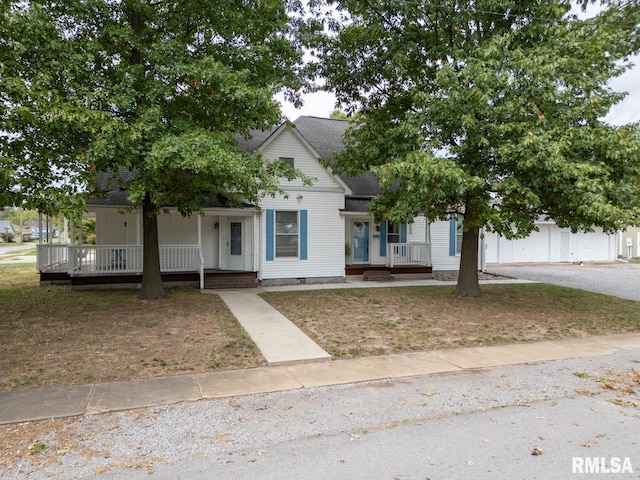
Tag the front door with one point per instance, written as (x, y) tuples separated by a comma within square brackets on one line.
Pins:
[(360, 242), (235, 246)]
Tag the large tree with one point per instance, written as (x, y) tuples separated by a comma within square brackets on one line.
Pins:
[(490, 110), (158, 87)]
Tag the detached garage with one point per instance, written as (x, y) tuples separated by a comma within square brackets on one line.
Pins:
[(551, 244)]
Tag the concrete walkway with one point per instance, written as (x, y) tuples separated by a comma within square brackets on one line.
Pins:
[(279, 340), (30, 405)]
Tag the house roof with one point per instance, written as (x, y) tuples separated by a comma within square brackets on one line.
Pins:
[(115, 194), (324, 135), (6, 225)]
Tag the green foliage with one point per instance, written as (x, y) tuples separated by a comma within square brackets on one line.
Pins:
[(490, 109), (158, 88)]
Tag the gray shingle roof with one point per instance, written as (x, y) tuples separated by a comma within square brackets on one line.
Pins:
[(325, 135)]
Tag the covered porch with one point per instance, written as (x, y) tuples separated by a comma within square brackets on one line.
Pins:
[(378, 250), (215, 249)]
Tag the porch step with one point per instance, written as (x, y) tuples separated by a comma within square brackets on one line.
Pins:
[(377, 276), (221, 280)]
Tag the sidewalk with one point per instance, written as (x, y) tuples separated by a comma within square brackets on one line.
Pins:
[(30, 405)]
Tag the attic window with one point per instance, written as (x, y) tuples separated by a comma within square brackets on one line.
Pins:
[(288, 161)]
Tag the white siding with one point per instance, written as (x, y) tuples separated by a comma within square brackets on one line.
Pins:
[(325, 237), (174, 229), (116, 228), (210, 242), (287, 144), (417, 231), (440, 257)]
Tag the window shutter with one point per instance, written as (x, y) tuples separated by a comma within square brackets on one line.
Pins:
[(383, 238), (303, 234), (452, 235), (270, 235), (403, 233)]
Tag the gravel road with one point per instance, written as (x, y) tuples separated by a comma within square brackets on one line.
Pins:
[(480, 424), (617, 279)]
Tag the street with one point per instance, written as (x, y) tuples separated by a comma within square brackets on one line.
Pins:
[(479, 424)]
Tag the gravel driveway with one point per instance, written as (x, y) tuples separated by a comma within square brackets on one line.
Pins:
[(617, 279)]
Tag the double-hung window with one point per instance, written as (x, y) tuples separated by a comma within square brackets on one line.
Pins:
[(455, 234), (287, 234), (393, 233)]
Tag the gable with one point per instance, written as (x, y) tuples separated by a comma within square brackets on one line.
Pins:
[(287, 144)]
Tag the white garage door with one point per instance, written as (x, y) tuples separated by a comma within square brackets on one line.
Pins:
[(534, 248)]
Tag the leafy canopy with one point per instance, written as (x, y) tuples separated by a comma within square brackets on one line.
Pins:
[(495, 105), (158, 87)]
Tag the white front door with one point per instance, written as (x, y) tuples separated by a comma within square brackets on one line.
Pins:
[(235, 246)]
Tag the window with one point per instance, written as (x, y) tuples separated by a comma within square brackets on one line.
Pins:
[(393, 233), (288, 161), (455, 234), (286, 234)]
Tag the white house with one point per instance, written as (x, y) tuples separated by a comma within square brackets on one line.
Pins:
[(301, 236), (316, 233)]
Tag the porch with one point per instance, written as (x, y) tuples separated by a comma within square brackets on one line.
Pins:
[(407, 259), (121, 265)]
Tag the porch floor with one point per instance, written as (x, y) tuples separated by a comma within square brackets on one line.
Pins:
[(360, 269), (213, 279)]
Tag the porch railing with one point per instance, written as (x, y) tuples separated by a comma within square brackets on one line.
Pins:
[(115, 259), (400, 254), (52, 256)]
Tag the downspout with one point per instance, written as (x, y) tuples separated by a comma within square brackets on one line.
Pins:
[(201, 269), (259, 217)]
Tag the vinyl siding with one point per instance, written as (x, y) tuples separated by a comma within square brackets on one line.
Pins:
[(325, 237), (440, 257), (116, 228), (287, 144)]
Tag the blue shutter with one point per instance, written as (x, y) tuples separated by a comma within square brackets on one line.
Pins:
[(270, 235), (383, 238), (403, 233), (452, 235), (303, 234)]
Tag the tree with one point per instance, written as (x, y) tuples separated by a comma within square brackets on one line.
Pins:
[(338, 115), (156, 87), (490, 110)]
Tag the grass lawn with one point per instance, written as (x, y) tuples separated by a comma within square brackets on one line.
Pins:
[(52, 335), (55, 336), (377, 321)]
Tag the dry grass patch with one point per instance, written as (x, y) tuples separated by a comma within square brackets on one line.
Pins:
[(55, 336), (376, 321)]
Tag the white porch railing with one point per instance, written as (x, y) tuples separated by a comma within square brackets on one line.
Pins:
[(115, 259), (52, 256), (400, 254)]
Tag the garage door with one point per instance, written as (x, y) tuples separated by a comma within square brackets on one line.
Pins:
[(534, 248)]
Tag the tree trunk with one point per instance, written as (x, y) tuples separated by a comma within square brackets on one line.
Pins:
[(468, 285), (151, 277)]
